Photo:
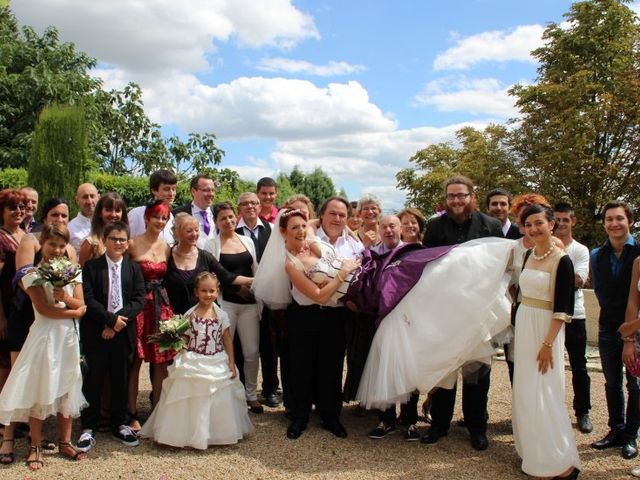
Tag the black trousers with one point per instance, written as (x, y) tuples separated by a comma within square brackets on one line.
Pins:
[(474, 405), (408, 412), (316, 346), (111, 357), (575, 341)]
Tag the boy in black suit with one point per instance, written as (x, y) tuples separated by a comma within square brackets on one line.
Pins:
[(114, 293)]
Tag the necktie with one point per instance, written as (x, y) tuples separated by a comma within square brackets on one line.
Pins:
[(114, 300), (205, 222)]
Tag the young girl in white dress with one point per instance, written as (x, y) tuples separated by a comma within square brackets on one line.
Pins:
[(202, 401), (46, 378)]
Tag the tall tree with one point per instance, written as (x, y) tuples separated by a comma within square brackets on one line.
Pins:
[(35, 71), (579, 136), (59, 151), (318, 186), (483, 156)]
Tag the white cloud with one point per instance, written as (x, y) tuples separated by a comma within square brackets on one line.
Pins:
[(257, 107), (156, 35), (497, 45), (486, 96), (291, 66)]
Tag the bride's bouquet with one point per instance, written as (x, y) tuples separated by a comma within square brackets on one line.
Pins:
[(58, 272), (170, 335)]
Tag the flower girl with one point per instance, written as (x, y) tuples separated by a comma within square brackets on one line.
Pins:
[(46, 378), (202, 401)]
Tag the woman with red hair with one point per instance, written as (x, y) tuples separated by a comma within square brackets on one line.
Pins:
[(152, 253)]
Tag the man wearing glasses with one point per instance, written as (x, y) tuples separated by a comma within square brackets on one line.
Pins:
[(202, 193), (461, 222)]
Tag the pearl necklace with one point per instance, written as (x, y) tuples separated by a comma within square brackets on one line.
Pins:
[(545, 254)]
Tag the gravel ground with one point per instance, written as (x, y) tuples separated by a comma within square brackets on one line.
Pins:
[(268, 454)]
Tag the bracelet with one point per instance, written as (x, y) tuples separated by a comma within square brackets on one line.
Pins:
[(628, 339), (547, 344), (339, 277)]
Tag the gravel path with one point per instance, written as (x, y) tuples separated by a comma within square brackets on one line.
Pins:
[(268, 454)]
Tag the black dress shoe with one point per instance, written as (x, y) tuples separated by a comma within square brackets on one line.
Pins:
[(629, 449), (272, 400), (611, 439), (295, 429), (479, 441), (336, 428), (432, 436), (584, 423), (572, 476)]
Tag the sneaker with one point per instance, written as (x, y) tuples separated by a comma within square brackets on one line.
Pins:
[(86, 441), (126, 436), (381, 431), (412, 434)]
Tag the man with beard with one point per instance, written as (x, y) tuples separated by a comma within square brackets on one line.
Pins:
[(461, 222)]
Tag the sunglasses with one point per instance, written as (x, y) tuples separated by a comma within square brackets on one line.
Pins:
[(13, 208)]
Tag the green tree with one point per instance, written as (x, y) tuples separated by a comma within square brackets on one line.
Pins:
[(59, 151), (285, 190), (483, 156), (296, 179), (579, 136), (35, 71), (318, 186)]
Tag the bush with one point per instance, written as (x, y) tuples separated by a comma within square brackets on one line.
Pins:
[(13, 178)]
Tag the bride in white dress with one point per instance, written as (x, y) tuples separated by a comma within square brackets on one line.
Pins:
[(541, 426), (444, 322), (46, 378)]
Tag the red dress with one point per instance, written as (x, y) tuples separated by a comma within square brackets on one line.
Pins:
[(156, 309)]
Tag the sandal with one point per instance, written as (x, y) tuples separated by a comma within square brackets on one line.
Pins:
[(46, 445), (37, 463), (9, 457), (65, 447), (134, 423)]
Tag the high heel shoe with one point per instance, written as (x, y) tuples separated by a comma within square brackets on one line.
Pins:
[(572, 476)]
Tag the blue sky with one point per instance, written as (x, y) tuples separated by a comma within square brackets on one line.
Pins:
[(353, 87)]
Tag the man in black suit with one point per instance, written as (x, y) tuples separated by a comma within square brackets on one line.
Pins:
[(498, 206), (114, 293), (461, 222), (252, 226), (202, 193)]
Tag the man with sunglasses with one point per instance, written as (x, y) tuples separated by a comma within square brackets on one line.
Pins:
[(461, 222)]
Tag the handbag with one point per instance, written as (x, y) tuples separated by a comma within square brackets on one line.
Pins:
[(633, 368)]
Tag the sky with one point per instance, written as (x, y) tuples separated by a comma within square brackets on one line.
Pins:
[(351, 86)]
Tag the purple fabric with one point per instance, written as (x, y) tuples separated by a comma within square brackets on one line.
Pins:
[(383, 280)]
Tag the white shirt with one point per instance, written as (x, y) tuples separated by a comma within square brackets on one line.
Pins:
[(79, 229), (346, 246), (137, 226), (506, 227), (247, 230), (203, 238), (110, 264), (381, 248), (579, 255)]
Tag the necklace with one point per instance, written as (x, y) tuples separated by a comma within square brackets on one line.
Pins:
[(189, 254), (545, 254)]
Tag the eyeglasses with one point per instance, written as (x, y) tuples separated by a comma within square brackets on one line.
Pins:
[(13, 208), (249, 203), (118, 239), (457, 196)]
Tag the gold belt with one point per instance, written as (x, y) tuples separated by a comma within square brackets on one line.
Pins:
[(537, 303)]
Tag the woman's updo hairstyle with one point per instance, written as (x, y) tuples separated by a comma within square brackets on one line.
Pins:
[(535, 209), (286, 215)]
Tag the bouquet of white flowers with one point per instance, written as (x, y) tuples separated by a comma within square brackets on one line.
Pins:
[(58, 272), (170, 335)]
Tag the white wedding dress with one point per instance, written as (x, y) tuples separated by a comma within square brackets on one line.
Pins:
[(444, 322), (46, 378), (541, 426), (200, 404)]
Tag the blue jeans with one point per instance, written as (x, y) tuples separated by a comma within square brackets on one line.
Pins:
[(610, 346)]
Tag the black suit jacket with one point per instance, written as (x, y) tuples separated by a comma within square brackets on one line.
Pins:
[(263, 238), (95, 283), (513, 233), (443, 230), (183, 209)]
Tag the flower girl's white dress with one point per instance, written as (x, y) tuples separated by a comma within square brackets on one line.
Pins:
[(200, 404)]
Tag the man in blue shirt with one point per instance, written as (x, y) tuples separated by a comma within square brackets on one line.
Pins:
[(611, 267)]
